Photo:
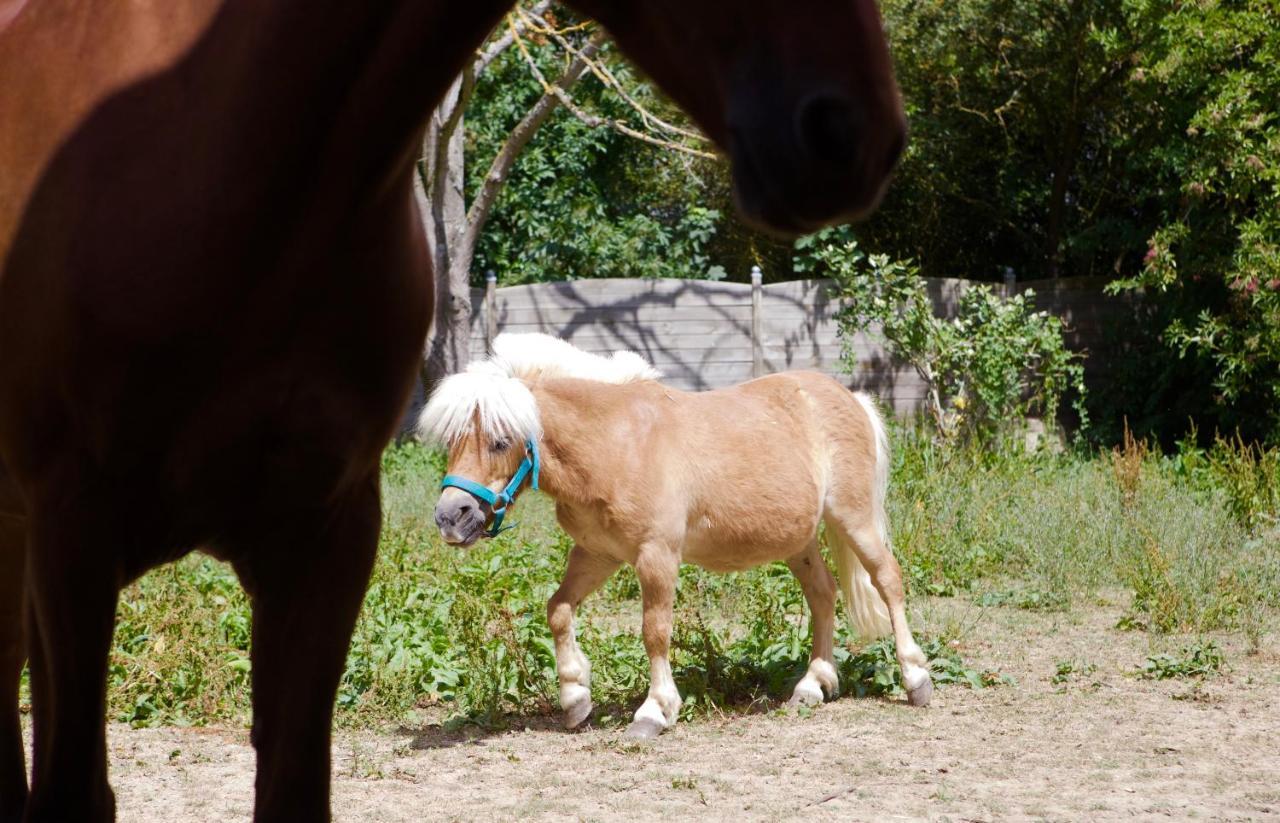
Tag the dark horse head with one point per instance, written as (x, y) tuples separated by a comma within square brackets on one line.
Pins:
[(208, 229), (801, 95)]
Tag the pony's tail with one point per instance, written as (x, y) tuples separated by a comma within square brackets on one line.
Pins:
[(868, 615)]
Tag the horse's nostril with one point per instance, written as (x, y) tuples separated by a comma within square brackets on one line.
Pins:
[(465, 509), (443, 520), (831, 128)]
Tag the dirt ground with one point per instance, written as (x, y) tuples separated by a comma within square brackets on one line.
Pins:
[(1104, 745)]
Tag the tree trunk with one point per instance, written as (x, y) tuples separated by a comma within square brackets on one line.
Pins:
[(445, 217), (1077, 28), (452, 228), (1064, 165)]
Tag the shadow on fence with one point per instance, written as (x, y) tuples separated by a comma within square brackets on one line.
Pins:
[(699, 333)]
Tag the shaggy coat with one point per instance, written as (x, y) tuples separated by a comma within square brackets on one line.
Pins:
[(651, 476)]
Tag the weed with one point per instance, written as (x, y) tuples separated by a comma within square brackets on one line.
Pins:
[(1029, 599), (463, 631), (1200, 659), (1250, 478), (1127, 462), (1066, 671)]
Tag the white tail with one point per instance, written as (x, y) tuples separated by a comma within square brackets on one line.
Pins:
[(868, 615)]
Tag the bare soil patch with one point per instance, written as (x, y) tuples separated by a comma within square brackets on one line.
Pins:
[(1103, 745)]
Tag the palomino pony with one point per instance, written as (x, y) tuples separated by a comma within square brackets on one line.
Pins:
[(644, 474), (214, 291)]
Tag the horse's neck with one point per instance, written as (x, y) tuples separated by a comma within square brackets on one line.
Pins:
[(570, 451), (341, 92), (371, 71)]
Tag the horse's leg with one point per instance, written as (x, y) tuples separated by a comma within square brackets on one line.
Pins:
[(657, 567), (307, 581), (886, 576), (820, 592), (583, 574), (72, 583), (13, 653)]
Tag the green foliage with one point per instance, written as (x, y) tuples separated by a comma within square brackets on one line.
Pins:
[(1212, 76), (1201, 659), (466, 629), (1247, 475), (1066, 527), (462, 633), (1030, 599), (986, 369), (1065, 671), (1132, 139), (583, 201), (1018, 112), (181, 652)]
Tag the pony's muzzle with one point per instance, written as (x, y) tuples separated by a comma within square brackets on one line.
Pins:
[(460, 517)]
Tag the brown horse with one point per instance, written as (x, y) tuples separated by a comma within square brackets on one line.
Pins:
[(214, 296), (651, 476)]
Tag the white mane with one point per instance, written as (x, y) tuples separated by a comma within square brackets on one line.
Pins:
[(531, 356), (495, 389)]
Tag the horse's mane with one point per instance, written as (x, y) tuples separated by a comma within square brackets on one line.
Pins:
[(496, 389), (530, 356)]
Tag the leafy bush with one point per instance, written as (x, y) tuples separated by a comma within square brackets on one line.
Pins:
[(985, 370), (1201, 659), (1209, 78)]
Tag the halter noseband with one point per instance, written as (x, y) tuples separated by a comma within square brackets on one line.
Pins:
[(499, 502)]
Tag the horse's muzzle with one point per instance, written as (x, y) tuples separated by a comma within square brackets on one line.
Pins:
[(460, 519), (828, 161)]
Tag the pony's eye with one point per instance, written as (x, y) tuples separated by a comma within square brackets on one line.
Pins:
[(500, 445)]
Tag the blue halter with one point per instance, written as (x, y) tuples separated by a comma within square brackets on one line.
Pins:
[(499, 502)]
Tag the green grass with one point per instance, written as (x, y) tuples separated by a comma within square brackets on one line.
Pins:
[(1066, 526), (461, 633)]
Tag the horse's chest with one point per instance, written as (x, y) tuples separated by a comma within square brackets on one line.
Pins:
[(599, 530)]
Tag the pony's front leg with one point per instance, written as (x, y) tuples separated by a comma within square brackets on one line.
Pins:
[(820, 592), (584, 573), (657, 568)]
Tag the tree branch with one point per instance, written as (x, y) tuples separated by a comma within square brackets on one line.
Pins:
[(558, 91), (610, 81), (520, 136), (490, 53), (444, 130)]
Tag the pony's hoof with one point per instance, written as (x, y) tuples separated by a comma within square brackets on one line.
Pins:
[(922, 694), (646, 728), (575, 715), (805, 694)]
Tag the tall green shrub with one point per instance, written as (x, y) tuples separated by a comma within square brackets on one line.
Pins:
[(986, 370)]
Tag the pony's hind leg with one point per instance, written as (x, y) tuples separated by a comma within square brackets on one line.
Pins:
[(584, 573), (820, 592), (869, 551), (657, 567)]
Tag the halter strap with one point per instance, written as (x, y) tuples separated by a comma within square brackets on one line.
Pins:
[(499, 501)]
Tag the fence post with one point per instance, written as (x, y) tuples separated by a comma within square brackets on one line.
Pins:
[(490, 310), (757, 344)]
